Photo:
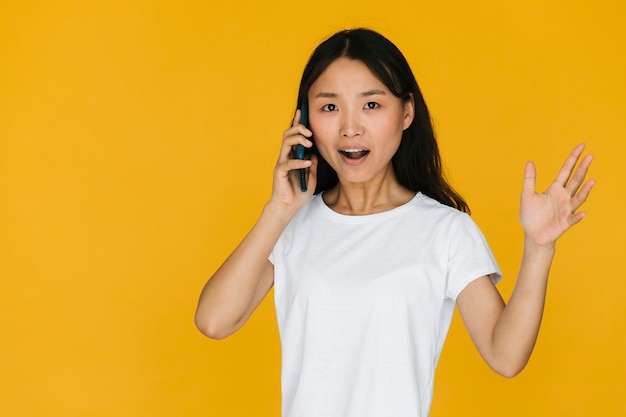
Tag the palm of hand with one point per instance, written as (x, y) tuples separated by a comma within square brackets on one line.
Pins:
[(289, 195), (546, 216)]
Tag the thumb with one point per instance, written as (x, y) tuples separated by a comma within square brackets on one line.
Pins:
[(530, 177), (313, 173)]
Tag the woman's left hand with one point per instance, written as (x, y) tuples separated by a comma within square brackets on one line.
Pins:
[(547, 215)]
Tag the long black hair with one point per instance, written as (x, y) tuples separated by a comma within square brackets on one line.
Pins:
[(416, 164)]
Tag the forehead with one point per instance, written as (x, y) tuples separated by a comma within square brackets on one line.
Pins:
[(346, 76)]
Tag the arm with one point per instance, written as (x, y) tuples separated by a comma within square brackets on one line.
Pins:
[(506, 334), (240, 284)]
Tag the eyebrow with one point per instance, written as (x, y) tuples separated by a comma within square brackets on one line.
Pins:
[(368, 93), (373, 93)]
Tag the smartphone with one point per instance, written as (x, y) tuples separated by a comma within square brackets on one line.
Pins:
[(304, 119)]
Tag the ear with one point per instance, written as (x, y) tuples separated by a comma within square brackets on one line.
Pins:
[(409, 112)]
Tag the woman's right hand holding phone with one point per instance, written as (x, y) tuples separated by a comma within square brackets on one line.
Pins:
[(244, 279), (286, 193)]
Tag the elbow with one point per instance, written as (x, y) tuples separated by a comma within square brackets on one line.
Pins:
[(211, 328), (509, 370), (509, 373), (508, 361)]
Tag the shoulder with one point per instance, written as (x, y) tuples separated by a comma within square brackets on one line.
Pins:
[(435, 210), (442, 220)]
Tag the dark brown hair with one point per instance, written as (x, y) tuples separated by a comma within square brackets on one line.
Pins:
[(417, 164)]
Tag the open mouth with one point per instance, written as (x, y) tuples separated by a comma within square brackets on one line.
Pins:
[(354, 153)]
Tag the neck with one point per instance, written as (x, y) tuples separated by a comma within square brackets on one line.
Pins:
[(359, 199)]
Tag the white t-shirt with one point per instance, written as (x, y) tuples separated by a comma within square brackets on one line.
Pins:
[(364, 304)]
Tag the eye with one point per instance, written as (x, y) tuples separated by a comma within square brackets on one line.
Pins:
[(329, 107), (371, 105)]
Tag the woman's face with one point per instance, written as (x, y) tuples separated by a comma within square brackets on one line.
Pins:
[(356, 121)]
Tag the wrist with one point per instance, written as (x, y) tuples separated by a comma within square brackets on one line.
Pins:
[(278, 212), (535, 248)]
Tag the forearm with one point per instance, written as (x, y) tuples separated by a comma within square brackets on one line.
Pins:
[(505, 335), (517, 328), (239, 285)]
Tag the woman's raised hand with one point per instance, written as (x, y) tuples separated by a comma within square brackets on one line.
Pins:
[(286, 187), (546, 216)]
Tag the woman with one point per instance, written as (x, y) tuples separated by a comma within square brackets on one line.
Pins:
[(368, 268)]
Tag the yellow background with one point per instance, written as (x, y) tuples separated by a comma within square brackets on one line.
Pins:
[(137, 140)]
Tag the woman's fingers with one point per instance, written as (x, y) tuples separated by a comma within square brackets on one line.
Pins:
[(573, 183), (292, 164), (286, 180), (530, 178), (295, 135), (296, 118), (289, 143), (581, 196), (568, 167), (579, 175)]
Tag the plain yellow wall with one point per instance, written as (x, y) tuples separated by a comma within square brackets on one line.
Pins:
[(137, 140)]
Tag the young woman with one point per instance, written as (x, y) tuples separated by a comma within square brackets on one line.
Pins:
[(369, 263)]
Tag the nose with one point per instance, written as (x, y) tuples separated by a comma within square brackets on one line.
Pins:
[(351, 124)]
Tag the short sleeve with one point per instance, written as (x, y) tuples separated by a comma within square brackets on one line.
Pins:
[(271, 257), (469, 256)]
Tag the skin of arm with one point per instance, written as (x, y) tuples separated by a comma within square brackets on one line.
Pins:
[(239, 285), (505, 335)]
